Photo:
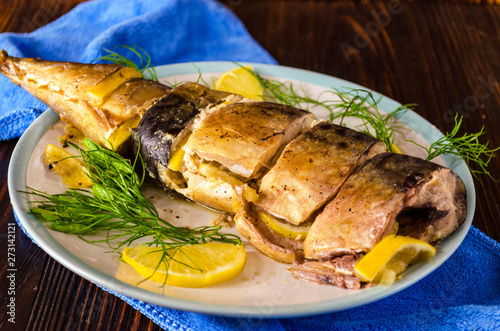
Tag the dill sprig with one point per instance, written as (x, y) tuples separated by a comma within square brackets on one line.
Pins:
[(285, 93), (199, 80), (466, 146), (116, 207), (357, 103), (362, 104), (143, 66)]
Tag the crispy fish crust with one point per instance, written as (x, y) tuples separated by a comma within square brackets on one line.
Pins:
[(312, 168), (245, 136), (63, 87), (163, 125), (428, 201)]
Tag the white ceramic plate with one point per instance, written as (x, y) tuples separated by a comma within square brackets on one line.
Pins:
[(265, 288)]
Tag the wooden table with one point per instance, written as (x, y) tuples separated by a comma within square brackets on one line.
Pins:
[(442, 56)]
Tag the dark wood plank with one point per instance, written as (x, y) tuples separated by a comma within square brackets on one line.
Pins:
[(438, 55), (26, 16), (443, 56)]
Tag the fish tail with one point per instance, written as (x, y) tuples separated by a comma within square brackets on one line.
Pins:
[(8, 67)]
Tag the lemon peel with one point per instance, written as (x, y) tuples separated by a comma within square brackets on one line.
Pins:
[(240, 81), (194, 266), (66, 165), (390, 257)]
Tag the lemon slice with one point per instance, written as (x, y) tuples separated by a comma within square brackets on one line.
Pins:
[(295, 232), (199, 265), (391, 257), (240, 81), (98, 93), (71, 169)]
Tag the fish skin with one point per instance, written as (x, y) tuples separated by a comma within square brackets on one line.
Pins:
[(370, 201), (158, 131), (266, 241), (337, 272), (312, 168), (63, 87), (244, 136), (154, 136)]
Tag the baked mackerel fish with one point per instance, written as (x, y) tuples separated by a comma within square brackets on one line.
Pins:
[(389, 194), (212, 146), (309, 173), (302, 191)]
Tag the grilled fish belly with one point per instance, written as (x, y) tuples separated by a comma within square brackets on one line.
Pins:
[(311, 170), (427, 200), (65, 86), (338, 272), (265, 240)]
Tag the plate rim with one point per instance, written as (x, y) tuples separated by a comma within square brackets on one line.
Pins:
[(33, 228)]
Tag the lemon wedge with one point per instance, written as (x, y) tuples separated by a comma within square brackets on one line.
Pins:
[(199, 265), (292, 231), (396, 149), (215, 174), (240, 81), (211, 171), (71, 169), (391, 257), (98, 93)]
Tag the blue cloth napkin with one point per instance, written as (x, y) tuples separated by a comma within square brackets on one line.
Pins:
[(172, 31), (463, 294)]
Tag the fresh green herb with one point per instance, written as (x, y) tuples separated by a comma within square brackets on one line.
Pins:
[(467, 147), (144, 66), (356, 103), (362, 104), (117, 207), (285, 93), (199, 80)]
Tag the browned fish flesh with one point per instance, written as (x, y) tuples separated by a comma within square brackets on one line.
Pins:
[(390, 193), (311, 170), (245, 136)]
